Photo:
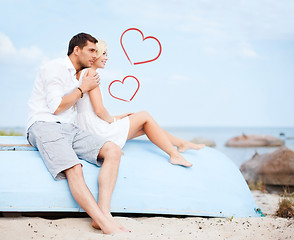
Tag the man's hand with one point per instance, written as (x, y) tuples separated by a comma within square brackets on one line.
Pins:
[(91, 80)]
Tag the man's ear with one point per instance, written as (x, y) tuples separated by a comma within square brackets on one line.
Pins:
[(76, 50)]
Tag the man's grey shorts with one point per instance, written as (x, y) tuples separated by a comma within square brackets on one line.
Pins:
[(62, 144)]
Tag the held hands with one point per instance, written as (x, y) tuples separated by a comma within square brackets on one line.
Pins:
[(91, 80)]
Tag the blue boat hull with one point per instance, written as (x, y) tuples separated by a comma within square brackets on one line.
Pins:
[(147, 183)]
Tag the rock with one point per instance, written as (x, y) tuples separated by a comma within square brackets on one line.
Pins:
[(275, 168), (207, 142), (255, 141)]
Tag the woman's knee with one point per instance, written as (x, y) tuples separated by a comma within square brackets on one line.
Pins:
[(146, 115)]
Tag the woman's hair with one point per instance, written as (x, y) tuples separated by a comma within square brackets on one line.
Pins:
[(80, 40), (102, 46)]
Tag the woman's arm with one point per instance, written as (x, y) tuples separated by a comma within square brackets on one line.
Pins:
[(97, 103), (123, 115), (100, 110)]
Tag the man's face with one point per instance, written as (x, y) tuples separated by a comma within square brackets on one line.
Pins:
[(87, 55)]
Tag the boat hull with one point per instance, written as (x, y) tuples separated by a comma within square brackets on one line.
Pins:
[(147, 183)]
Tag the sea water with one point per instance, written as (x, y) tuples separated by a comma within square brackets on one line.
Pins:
[(220, 135)]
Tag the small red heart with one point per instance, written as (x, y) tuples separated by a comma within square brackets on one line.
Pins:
[(122, 82), (144, 38)]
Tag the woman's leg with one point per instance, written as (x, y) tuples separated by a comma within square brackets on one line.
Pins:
[(181, 144), (137, 134), (142, 121)]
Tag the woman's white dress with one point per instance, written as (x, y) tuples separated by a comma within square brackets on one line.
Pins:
[(87, 120)]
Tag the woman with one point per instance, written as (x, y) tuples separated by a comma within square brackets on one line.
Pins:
[(93, 117)]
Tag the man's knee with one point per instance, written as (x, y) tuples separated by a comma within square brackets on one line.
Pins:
[(111, 150), (76, 171)]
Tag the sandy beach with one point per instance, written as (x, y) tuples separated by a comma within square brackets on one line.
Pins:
[(158, 227)]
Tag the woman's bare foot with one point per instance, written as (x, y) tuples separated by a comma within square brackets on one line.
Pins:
[(180, 160), (189, 145)]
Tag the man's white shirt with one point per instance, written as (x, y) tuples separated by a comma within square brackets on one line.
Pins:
[(55, 79)]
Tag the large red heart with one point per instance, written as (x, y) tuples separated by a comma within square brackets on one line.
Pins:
[(144, 38), (122, 82)]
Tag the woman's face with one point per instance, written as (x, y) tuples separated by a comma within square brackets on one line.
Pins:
[(101, 61)]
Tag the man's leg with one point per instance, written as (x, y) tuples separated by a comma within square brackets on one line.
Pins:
[(52, 140), (85, 199), (111, 153)]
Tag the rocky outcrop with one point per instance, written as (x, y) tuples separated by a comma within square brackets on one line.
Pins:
[(275, 168), (254, 141), (200, 140)]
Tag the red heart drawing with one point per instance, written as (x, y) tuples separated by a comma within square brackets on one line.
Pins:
[(144, 38), (122, 82)]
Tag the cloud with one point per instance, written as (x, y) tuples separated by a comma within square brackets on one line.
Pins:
[(6, 46), (110, 75), (177, 79), (251, 19), (248, 51), (31, 53), (219, 28), (9, 54), (107, 76), (209, 50)]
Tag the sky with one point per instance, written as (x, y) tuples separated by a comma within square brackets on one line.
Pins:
[(223, 62)]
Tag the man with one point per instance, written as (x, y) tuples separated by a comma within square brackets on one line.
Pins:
[(61, 143)]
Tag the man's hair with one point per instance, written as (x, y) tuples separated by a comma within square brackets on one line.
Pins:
[(80, 40)]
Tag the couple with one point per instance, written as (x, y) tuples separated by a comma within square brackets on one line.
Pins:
[(61, 87)]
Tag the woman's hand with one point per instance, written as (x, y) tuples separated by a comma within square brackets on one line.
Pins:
[(123, 115)]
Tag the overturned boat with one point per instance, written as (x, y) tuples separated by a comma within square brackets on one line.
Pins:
[(147, 183)]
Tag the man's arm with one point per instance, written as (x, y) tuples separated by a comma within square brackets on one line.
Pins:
[(90, 81)]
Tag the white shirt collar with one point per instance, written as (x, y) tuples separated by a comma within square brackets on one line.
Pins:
[(70, 66)]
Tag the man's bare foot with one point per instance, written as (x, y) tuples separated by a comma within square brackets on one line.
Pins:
[(180, 160), (110, 229), (95, 225), (122, 228), (112, 220), (189, 145)]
